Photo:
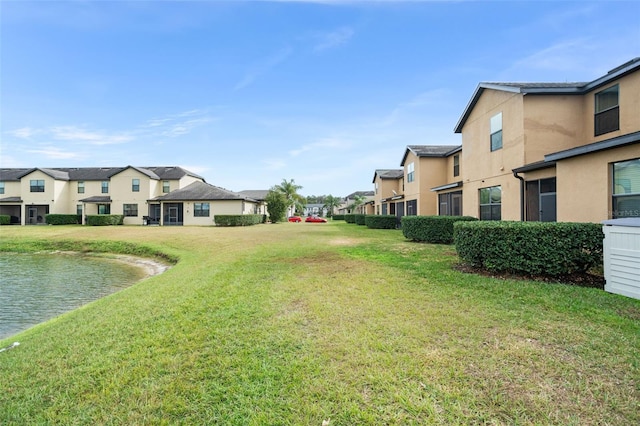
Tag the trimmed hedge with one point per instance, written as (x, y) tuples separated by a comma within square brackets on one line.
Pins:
[(530, 248), (238, 219), (431, 229), (5, 219), (337, 217), (105, 219), (63, 219), (387, 221), (350, 218)]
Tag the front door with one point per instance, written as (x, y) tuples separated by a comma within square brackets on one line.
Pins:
[(33, 215), (548, 207), (173, 214)]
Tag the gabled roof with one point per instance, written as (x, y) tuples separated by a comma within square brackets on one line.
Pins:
[(360, 193), (430, 151), (13, 175), (98, 173), (256, 194), (388, 174), (577, 88), (201, 191)]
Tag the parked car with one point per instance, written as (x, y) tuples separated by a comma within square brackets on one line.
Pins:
[(295, 219), (315, 219)]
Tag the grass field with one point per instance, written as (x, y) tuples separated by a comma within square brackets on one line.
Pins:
[(293, 324)]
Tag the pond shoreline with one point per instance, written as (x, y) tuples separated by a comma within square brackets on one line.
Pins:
[(150, 267)]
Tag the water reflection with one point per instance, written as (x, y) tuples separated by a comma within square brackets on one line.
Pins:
[(38, 287)]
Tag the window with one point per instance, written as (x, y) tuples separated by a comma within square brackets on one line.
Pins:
[(1, 187), (450, 204), (130, 210), (37, 185), (626, 189), (104, 208), (607, 111), (496, 132), (410, 172), (135, 185), (412, 208), (491, 203), (456, 165), (165, 186), (79, 209), (105, 187), (201, 209), (80, 187)]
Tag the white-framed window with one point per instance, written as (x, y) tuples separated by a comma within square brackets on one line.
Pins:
[(79, 209), (456, 165), (491, 203), (130, 210), (626, 189), (36, 185), (165, 186), (496, 132), (201, 209), (607, 111), (1, 187), (135, 185), (410, 172), (104, 208), (80, 187), (105, 186)]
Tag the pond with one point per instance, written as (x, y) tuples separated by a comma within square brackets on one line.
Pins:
[(37, 287)]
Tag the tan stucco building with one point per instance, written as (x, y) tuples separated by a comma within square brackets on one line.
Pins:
[(152, 195), (553, 151)]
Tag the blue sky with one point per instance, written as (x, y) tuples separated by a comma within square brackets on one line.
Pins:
[(247, 93)]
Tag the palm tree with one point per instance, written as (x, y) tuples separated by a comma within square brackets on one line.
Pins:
[(358, 200), (330, 203), (290, 190)]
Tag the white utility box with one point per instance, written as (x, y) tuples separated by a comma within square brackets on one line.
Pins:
[(622, 256)]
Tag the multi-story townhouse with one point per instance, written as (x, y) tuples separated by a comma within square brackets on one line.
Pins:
[(553, 151), (426, 167), (159, 195), (388, 192)]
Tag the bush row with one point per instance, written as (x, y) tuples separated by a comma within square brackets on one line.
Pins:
[(105, 219), (5, 219), (530, 248), (350, 218), (63, 219), (338, 217), (238, 219), (359, 218), (431, 229), (386, 221)]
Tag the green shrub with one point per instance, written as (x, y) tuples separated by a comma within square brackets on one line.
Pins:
[(338, 217), (350, 218), (5, 219), (63, 219), (105, 219), (530, 248), (238, 219), (359, 219), (431, 229), (387, 221)]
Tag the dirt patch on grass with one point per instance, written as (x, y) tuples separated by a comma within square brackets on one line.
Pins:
[(582, 279), (343, 242)]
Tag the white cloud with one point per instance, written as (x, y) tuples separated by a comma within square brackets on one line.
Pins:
[(78, 134), (327, 143), (333, 39), (264, 67), (55, 153), (23, 133)]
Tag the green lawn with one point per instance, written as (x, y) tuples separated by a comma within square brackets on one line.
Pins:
[(293, 324)]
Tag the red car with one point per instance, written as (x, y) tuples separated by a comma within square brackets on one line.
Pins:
[(295, 219), (315, 219)]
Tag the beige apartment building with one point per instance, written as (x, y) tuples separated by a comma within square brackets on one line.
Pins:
[(151, 195), (553, 151), (388, 192)]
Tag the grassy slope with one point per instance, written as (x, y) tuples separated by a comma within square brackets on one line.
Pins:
[(296, 323)]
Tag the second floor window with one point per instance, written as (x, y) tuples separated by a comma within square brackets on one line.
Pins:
[(410, 172), (105, 187), (607, 111), (80, 187), (36, 185), (165, 186), (496, 132), (1, 187), (456, 165), (135, 185)]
